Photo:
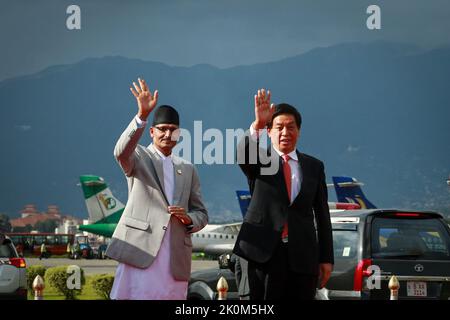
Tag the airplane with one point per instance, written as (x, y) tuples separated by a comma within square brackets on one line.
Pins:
[(105, 210), (215, 239), (348, 190), (219, 239)]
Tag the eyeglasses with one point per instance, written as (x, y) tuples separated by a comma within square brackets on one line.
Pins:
[(165, 129)]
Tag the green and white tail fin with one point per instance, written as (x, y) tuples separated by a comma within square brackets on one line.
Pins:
[(102, 205)]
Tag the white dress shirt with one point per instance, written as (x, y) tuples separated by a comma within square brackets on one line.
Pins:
[(169, 175)]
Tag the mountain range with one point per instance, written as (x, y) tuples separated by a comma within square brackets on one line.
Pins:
[(375, 111)]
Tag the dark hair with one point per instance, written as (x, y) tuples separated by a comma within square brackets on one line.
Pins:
[(284, 108)]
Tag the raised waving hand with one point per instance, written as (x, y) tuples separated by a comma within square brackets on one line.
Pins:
[(263, 109), (146, 100)]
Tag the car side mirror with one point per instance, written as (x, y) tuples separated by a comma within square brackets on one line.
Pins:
[(224, 261)]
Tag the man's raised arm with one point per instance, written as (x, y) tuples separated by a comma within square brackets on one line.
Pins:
[(124, 150), (249, 151)]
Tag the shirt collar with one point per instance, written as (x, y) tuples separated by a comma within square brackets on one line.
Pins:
[(292, 154), (163, 157)]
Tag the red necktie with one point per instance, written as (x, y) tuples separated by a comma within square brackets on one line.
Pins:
[(287, 179)]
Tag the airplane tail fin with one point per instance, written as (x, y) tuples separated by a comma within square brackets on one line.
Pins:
[(244, 200), (348, 189), (101, 204)]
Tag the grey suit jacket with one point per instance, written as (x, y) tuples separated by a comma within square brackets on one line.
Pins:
[(139, 233)]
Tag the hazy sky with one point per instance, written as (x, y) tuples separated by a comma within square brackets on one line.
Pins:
[(222, 33)]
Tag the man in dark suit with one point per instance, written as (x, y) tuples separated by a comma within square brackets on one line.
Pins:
[(286, 234)]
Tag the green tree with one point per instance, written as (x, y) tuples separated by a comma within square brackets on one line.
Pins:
[(5, 225), (102, 284), (27, 228), (46, 225)]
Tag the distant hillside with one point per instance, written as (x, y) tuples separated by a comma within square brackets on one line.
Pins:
[(378, 112)]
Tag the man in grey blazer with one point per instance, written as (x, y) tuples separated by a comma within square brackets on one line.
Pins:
[(152, 241)]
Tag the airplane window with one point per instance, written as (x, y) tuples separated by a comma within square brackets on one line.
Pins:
[(215, 236), (203, 235), (226, 237), (220, 236), (209, 236)]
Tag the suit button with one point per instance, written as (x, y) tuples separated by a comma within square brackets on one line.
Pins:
[(164, 228)]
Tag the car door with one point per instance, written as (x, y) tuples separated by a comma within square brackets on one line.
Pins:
[(346, 244)]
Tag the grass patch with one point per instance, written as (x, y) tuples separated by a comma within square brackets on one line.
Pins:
[(88, 292)]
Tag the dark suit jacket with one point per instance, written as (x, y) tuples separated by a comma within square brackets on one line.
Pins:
[(269, 209)]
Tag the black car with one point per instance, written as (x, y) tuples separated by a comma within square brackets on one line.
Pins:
[(370, 246), (413, 246), (203, 284)]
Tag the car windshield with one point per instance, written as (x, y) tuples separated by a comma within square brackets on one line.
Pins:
[(409, 239)]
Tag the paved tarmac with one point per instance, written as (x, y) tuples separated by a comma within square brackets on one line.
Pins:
[(96, 266)]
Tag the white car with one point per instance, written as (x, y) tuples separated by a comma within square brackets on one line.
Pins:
[(13, 276)]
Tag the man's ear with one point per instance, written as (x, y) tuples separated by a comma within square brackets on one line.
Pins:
[(151, 132)]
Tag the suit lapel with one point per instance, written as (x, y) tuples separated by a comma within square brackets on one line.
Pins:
[(179, 179), (158, 170), (301, 167)]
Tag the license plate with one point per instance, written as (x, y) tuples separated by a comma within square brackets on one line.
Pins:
[(416, 289)]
